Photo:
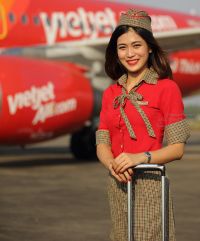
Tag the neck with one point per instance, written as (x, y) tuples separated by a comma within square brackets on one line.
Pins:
[(133, 79)]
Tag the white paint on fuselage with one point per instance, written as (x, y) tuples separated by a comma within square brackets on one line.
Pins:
[(41, 100), (77, 24)]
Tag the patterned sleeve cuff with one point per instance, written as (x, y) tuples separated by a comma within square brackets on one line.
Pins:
[(177, 132), (103, 137)]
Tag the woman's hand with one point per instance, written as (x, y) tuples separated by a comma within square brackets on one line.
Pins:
[(122, 177), (123, 163)]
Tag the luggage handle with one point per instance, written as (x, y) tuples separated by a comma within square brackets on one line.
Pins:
[(148, 167), (151, 167)]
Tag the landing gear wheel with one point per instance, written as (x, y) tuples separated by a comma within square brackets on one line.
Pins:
[(83, 144)]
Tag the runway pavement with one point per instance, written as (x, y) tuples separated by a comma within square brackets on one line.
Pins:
[(47, 195)]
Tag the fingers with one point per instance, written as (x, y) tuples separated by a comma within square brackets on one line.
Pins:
[(122, 164), (119, 162), (123, 177), (128, 174), (118, 176), (130, 170), (122, 167)]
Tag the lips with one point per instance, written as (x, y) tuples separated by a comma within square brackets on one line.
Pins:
[(133, 62)]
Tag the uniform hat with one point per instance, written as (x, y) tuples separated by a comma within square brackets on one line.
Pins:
[(135, 18)]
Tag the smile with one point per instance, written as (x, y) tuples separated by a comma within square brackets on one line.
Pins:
[(133, 62)]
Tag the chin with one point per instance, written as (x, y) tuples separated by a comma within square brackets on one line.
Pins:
[(137, 69)]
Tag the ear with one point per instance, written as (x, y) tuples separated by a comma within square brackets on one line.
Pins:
[(150, 51)]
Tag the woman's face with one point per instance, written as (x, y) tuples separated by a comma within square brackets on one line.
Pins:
[(133, 52)]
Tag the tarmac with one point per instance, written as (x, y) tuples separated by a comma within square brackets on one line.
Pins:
[(48, 195)]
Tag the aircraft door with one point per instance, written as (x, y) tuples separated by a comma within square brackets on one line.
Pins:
[(3, 24)]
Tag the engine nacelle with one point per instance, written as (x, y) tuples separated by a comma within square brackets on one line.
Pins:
[(40, 100), (186, 70)]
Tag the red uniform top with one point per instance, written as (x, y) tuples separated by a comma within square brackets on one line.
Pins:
[(161, 104)]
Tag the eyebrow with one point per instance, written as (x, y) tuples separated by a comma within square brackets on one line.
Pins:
[(131, 43)]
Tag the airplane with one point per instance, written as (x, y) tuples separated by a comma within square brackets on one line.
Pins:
[(51, 58)]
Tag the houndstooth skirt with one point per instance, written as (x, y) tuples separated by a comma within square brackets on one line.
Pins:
[(146, 207)]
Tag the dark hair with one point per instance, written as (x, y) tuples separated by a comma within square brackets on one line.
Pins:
[(158, 58)]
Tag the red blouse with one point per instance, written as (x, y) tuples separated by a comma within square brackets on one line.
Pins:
[(163, 106)]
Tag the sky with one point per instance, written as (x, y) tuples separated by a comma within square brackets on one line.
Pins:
[(184, 6)]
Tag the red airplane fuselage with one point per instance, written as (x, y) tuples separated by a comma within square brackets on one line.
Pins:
[(30, 23)]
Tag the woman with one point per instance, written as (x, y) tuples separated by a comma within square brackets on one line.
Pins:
[(136, 111)]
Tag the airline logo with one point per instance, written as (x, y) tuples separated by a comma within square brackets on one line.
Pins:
[(77, 24), (83, 24), (185, 66), (42, 100), (193, 23), (162, 23)]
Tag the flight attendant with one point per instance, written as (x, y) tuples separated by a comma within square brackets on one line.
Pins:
[(144, 104)]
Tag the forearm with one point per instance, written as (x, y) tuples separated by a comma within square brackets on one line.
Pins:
[(165, 154), (105, 155)]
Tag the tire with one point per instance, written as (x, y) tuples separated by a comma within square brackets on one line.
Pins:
[(83, 144)]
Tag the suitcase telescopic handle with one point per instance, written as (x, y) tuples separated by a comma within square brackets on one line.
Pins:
[(147, 167), (151, 167)]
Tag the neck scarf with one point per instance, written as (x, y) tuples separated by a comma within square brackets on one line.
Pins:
[(150, 77)]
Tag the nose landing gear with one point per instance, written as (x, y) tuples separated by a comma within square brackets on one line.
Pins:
[(83, 143)]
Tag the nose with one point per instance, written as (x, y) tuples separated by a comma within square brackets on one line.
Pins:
[(130, 52)]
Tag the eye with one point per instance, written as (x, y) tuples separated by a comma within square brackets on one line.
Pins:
[(137, 45), (121, 47)]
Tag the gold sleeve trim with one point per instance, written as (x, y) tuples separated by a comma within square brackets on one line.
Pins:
[(177, 132), (103, 137)]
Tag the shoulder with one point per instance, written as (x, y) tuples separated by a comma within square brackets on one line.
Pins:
[(111, 91), (170, 95), (168, 86)]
